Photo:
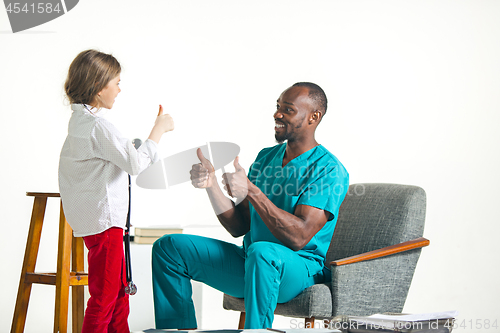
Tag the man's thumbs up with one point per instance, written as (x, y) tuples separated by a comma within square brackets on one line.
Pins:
[(202, 173), (206, 163), (235, 183), (236, 163)]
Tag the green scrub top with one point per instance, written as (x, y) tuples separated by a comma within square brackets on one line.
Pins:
[(316, 178)]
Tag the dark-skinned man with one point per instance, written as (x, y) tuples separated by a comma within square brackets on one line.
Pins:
[(286, 210)]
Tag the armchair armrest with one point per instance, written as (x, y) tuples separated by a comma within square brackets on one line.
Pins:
[(401, 247)]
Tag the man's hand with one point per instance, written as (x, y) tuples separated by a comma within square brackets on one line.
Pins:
[(236, 220), (202, 174), (236, 183)]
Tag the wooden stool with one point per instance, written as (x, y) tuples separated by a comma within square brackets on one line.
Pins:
[(66, 276)]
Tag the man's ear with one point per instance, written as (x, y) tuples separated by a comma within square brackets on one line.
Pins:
[(315, 117)]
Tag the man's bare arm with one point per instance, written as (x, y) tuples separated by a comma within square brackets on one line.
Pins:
[(235, 219), (293, 230)]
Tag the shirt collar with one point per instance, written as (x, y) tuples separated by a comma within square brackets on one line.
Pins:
[(87, 109)]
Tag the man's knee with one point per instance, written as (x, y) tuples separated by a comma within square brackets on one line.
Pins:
[(265, 252), (168, 245)]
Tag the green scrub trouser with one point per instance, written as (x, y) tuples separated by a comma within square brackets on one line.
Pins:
[(267, 274)]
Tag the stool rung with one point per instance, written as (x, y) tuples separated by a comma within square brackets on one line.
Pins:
[(79, 279), (43, 194), (76, 278), (42, 278)]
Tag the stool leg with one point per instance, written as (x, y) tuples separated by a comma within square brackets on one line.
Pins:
[(63, 275), (77, 292), (30, 256)]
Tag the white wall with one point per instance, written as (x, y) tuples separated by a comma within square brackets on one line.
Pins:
[(413, 91)]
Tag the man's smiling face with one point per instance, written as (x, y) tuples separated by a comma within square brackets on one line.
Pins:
[(292, 110)]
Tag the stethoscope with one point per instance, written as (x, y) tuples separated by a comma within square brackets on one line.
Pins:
[(131, 288), (86, 107)]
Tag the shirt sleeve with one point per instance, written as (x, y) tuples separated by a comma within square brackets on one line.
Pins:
[(327, 191), (111, 146)]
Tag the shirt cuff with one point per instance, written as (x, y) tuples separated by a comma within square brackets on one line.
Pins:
[(151, 149)]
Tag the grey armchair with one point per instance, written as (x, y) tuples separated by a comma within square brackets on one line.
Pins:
[(372, 255)]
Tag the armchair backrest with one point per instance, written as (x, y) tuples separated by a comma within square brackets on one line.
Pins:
[(374, 216)]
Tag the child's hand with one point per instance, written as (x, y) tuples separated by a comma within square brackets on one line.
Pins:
[(164, 122)]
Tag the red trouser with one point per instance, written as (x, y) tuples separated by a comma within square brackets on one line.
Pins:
[(108, 308)]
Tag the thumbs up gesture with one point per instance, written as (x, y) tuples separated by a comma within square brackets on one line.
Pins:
[(236, 183), (202, 174), (164, 121)]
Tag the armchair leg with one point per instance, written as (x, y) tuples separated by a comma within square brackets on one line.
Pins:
[(241, 324), (309, 322)]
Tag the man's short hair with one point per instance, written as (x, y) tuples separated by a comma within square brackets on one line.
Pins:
[(316, 94)]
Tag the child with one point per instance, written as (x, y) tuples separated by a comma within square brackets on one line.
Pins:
[(93, 183)]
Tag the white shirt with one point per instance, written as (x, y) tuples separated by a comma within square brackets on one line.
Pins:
[(93, 167)]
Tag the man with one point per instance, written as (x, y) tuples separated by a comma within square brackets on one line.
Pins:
[(287, 211)]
